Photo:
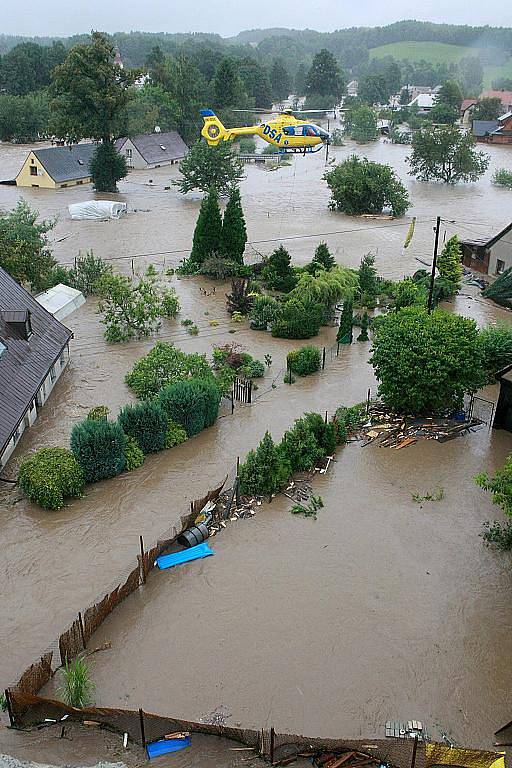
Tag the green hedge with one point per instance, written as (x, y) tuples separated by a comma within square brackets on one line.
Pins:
[(147, 423), (49, 476), (193, 404), (134, 454), (304, 361), (99, 447)]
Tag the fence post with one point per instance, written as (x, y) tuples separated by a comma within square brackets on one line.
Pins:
[(142, 731), (142, 560), (325, 420), (337, 349), (9, 707), (233, 399), (237, 491), (368, 401), (237, 465), (250, 392), (82, 633), (272, 741), (414, 749), (323, 359)]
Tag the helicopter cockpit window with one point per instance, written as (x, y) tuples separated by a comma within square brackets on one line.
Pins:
[(293, 130), (310, 131)]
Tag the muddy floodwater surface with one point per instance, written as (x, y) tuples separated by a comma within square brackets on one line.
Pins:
[(380, 609)]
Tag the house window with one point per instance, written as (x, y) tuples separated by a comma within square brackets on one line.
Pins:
[(53, 375), (128, 153), (500, 266), (33, 170)]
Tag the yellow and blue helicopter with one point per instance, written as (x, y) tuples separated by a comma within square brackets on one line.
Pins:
[(289, 134)]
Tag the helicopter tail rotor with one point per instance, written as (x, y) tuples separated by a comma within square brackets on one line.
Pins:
[(213, 130)]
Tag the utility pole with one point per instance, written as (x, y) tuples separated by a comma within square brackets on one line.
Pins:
[(434, 264)]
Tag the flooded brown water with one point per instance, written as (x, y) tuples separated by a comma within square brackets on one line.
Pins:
[(357, 629)]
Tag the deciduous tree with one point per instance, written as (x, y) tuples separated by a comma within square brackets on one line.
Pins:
[(446, 154), (24, 247), (205, 167), (324, 76), (362, 186)]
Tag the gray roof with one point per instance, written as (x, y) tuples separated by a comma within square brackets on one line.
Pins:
[(157, 147), (484, 127), (489, 241), (66, 163), (24, 364)]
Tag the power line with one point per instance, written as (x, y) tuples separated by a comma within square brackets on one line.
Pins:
[(268, 240)]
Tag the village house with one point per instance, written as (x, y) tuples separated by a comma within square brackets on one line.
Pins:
[(34, 350), (57, 167), (466, 112), (494, 131), (151, 150), (503, 412), (504, 96), (490, 255), (352, 88)]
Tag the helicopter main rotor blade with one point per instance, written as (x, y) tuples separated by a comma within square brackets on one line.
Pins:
[(256, 111)]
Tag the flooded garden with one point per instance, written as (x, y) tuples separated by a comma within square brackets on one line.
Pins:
[(383, 608)]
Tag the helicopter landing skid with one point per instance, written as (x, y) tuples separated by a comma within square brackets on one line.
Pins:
[(300, 150)]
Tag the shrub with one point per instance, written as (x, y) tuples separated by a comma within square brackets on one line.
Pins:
[(304, 361), (49, 476), (163, 365), (133, 454), (347, 420), (99, 447), (147, 423), (300, 448), (193, 404), (265, 470), (503, 178), (500, 486), (298, 320), (241, 298), (77, 688), (498, 534), (278, 274), (219, 268), (98, 412), (324, 433), (253, 369), (265, 310), (496, 347), (175, 435)]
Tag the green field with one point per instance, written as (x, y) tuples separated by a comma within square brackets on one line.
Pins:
[(439, 53)]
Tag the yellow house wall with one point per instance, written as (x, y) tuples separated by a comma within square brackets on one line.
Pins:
[(45, 181)]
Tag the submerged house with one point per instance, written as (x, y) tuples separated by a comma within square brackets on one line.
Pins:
[(57, 167), (151, 150), (503, 413), (490, 255), (34, 350), (494, 131)]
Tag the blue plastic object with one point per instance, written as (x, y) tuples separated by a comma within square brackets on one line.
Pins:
[(165, 746), (207, 113), (176, 558)]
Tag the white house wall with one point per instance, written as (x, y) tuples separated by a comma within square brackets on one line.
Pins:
[(136, 161), (501, 250)]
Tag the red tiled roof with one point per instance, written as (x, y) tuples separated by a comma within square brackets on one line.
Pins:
[(505, 96), (467, 103)]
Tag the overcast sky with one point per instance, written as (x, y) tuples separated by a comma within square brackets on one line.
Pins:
[(227, 17)]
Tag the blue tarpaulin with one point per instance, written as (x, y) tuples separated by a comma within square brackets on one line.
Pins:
[(176, 558), (165, 746)]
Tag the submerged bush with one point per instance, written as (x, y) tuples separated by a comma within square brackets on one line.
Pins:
[(175, 435), (298, 320), (304, 361), (265, 469), (76, 688), (133, 453), (163, 365), (99, 447), (147, 423), (49, 476), (193, 404), (498, 534)]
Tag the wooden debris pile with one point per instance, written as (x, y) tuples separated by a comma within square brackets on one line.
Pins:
[(392, 431), (229, 507)]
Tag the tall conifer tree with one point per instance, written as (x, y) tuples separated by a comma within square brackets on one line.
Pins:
[(208, 231), (234, 233)]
